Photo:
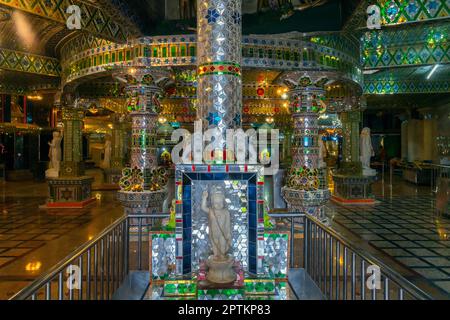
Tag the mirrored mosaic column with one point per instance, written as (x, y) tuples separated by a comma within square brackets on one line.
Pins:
[(350, 185), (305, 190), (71, 189), (219, 92), (143, 184), (113, 174), (350, 144), (72, 165)]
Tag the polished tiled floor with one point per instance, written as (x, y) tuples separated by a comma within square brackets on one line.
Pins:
[(404, 226), (33, 240)]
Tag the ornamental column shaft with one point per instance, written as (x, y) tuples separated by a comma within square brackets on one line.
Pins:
[(305, 190), (72, 165), (219, 55), (113, 171), (143, 184), (71, 189), (143, 104), (350, 128), (117, 143)]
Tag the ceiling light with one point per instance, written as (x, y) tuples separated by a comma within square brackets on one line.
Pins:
[(371, 71), (432, 71)]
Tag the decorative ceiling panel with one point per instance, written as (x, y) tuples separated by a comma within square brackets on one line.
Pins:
[(94, 19), (418, 45)]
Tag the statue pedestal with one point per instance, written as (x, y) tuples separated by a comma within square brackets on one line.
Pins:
[(309, 202), (221, 272), (353, 189), (70, 192), (146, 202), (141, 203)]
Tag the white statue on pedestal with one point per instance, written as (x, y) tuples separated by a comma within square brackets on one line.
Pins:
[(55, 155), (106, 163), (322, 154), (220, 263), (366, 152)]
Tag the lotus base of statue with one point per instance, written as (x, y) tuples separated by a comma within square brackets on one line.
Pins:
[(220, 271)]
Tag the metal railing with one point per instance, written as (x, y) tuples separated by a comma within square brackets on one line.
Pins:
[(344, 272), (98, 268), (340, 269), (438, 173)]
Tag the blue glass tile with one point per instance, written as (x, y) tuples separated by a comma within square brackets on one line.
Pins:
[(206, 176), (252, 264), (187, 223), (187, 233), (187, 207), (192, 176), (186, 181), (187, 192), (252, 207), (252, 222), (252, 234), (252, 193), (252, 249), (220, 176), (252, 180), (187, 248), (186, 264), (235, 176)]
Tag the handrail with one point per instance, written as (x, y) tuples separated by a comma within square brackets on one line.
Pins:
[(44, 282), (40, 282), (391, 273), (439, 165)]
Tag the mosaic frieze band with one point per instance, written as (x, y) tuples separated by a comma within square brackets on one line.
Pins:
[(182, 50), (403, 47), (405, 86), (27, 62)]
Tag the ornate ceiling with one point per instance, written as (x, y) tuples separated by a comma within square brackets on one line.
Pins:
[(398, 58)]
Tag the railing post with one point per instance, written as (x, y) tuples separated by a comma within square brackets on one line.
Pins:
[(292, 256), (305, 242)]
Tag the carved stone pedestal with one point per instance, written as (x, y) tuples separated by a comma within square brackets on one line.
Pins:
[(356, 189), (70, 192), (220, 271)]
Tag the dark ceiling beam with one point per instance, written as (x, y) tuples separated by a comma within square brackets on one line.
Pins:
[(95, 20)]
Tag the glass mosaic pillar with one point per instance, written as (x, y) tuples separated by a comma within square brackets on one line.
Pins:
[(304, 190), (143, 184), (118, 141), (72, 189), (219, 55), (350, 185), (350, 142), (113, 174), (72, 165)]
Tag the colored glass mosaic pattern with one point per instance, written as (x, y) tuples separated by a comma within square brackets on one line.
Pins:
[(162, 262), (238, 180), (276, 254)]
